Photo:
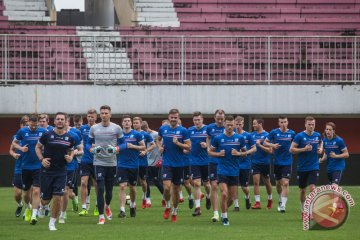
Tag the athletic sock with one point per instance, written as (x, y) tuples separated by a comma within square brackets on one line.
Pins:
[(224, 215), (34, 213), (122, 209), (197, 203), (190, 196), (132, 204), (181, 195), (83, 206), (236, 203), (257, 198), (167, 204), (283, 201), (270, 197)]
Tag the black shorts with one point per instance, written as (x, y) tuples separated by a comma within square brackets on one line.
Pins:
[(262, 169), (334, 177), (17, 181), (174, 174), (30, 178), (282, 171), (213, 171), (106, 174), (307, 178), (198, 172), (187, 173), (127, 175), (142, 172), (228, 180), (71, 178), (52, 185), (244, 175), (87, 169)]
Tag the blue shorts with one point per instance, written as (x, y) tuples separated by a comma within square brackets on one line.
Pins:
[(127, 175), (244, 176), (52, 185), (174, 174), (307, 178), (282, 171), (30, 178), (17, 181), (213, 171), (105, 174), (187, 173), (198, 172), (228, 180), (87, 169), (71, 178), (262, 169), (334, 177), (142, 172)]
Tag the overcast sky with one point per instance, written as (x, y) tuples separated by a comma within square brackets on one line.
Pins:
[(69, 4)]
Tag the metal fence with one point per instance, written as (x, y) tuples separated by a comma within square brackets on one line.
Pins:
[(111, 59)]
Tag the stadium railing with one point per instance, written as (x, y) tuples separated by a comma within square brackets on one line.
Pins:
[(47, 59)]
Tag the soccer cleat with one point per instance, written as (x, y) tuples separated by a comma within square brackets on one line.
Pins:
[(101, 221), (52, 228), (167, 213), (61, 220), (148, 205), (108, 213), (247, 203), (96, 212), (83, 212), (41, 212), (281, 209), (143, 204), (181, 200), (269, 205), (215, 218), (163, 203), (256, 205), (236, 209), (197, 212), (27, 215), (208, 203), (132, 212), (65, 215), (18, 211), (279, 205), (173, 218), (75, 205), (225, 222), (191, 203), (33, 220), (47, 212), (122, 214)]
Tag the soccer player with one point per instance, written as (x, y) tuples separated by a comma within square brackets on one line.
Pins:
[(128, 165), (44, 122), (154, 165), (228, 147), (78, 121), (307, 145), (17, 181), (261, 163), (212, 131), (199, 161), (244, 163), (143, 162), (87, 166), (103, 142), (172, 140), (54, 150), (279, 139), (28, 136)]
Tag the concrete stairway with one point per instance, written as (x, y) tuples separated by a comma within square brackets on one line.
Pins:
[(23, 11)]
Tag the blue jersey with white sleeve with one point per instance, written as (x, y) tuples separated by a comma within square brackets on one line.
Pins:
[(199, 155), (245, 162), (308, 161), (335, 145), (129, 158), (147, 139), (282, 155), (260, 156), (212, 131), (173, 155), (228, 165), (30, 161)]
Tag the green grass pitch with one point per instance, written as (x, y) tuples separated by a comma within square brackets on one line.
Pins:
[(149, 223)]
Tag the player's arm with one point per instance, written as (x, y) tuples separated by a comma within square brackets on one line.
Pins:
[(213, 153), (69, 156), (185, 146), (38, 150), (267, 143), (208, 142), (344, 154), (159, 144), (294, 148), (140, 147), (251, 150), (12, 152), (79, 150), (266, 149), (17, 146), (149, 149)]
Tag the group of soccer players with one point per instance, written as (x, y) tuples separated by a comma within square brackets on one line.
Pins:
[(220, 155)]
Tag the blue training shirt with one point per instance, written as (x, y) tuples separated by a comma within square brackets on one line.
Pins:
[(129, 158), (228, 165), (18, 162), (212, 131), (335, 145), (282, 155), (76, 134), (199, 155), (173, 155), (260, 156), (30, 138), (147, 139), (88, 157), (245, 162), (308, 161)]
